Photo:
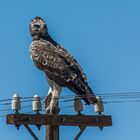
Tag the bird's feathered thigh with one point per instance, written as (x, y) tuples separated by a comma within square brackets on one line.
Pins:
[(61, 67)]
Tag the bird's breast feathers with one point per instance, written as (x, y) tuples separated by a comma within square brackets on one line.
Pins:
[(46, 54)]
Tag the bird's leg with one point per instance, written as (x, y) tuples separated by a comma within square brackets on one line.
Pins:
[(55, 90), (55, 96), (49, 94)]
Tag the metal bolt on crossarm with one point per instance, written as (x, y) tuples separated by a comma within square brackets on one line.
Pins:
[(36, 104), (16, 103)]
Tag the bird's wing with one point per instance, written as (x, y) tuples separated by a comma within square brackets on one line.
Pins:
[(71, 62), (49, 57)]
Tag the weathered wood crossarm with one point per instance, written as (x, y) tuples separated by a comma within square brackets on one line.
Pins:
[(62, 120)]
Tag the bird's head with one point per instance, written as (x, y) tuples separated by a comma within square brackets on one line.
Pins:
[(38, 28)]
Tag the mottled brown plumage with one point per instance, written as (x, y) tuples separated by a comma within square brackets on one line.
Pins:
[(58, 65)]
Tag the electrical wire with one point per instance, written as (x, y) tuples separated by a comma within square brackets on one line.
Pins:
[(70, 106), (7, 109), (104, 95), (69, 98), (3, 116), (116, 97)]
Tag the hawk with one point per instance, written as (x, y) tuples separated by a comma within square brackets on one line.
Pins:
[(59, 66)]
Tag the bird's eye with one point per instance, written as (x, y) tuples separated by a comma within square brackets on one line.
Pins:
[(36, 26)]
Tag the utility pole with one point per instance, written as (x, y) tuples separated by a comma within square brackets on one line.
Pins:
[(53, 121), (52, 131)]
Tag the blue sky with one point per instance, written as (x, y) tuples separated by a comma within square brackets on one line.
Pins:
[(104, 36)]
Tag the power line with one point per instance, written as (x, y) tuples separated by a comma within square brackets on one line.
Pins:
[(70, 106), (127, 101), (99, 94), (3, 116), (7, 109), (107, 98)]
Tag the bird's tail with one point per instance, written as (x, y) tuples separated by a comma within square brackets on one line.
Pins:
[(90, 96), (83, 90)]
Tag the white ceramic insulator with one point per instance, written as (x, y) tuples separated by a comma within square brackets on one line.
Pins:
[(99, 107), (16, 102), (78, 105), (36, 103)]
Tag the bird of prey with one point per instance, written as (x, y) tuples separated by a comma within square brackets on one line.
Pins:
[(59, 66)]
